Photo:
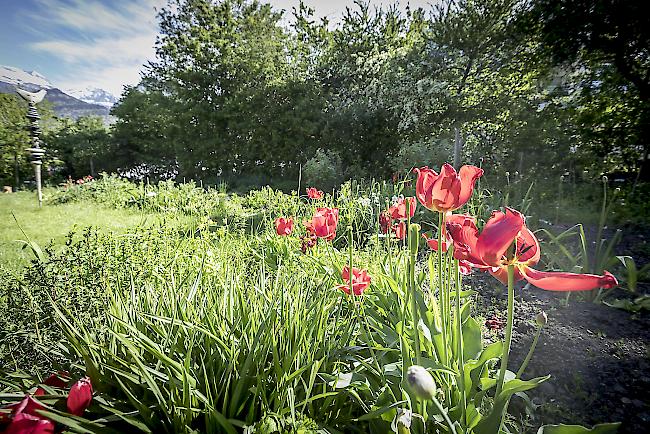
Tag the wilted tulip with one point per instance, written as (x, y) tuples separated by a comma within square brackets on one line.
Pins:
[(24, 419), (488, 251), (398, 211), (421, 382)]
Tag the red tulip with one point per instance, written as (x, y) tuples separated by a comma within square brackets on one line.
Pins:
[(448, 190), (24, 423), (360, 280), (25, 420), (54, 380), (490, 251), (400, 230), (398, 211), (384, 222), (79, 397), (283, 226), (312, 193), (446, 239), (323, 223)]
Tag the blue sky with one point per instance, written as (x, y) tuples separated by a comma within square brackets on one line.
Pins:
[(100, 43)]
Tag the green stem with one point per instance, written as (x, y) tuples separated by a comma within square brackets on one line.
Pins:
[(411, 284), (459, 329), (506, 346), (529, 356), (441, 290), (444, 415)]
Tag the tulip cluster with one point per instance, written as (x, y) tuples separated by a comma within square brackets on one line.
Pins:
[(23, 417), (401, 211)]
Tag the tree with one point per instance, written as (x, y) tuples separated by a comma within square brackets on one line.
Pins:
[(14, 138)]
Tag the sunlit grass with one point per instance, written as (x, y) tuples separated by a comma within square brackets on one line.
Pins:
[(53, 222)]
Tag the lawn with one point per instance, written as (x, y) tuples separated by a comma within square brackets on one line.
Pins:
[(20, 212)]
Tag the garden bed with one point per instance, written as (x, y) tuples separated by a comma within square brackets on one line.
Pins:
[(597, 357)]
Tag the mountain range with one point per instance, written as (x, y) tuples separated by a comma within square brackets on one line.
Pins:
[(72, 103)]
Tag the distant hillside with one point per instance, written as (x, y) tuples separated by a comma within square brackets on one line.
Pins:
[(64, 105)]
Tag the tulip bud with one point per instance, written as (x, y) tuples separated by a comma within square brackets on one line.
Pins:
[(414, 238), (402, 422), (421, 382), (541, 319)]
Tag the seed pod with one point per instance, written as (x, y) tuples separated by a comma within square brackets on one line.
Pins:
[(541, 319), (421, 382)]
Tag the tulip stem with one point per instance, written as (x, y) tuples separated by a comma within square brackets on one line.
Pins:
[(529, 356), (459, 325), (506, 346), (441, 289), (413, 253)]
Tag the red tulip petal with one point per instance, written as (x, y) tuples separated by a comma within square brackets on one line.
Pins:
[(444, 193), (24, 423), (81, 393), (527, 247), (465, 268), (498, 234), (468, 176), (426, 178), (463, 231), (501, 274), (560, 281)]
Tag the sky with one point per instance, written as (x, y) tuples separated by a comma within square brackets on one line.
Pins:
[(103, 43)]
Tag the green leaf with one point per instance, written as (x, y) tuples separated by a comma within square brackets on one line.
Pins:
[(604, 428)]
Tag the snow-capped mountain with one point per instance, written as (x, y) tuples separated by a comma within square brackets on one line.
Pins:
[(64, 105), (94, 95), (27, 79)]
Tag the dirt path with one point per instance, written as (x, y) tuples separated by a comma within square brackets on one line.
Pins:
[(598, 357)]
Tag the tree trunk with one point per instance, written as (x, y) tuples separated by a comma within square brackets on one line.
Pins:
[(458, 148), (16, 172), (92, 167)]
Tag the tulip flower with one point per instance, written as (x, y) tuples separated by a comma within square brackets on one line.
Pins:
[(493, 250), (312, 193), (360, 280), (384, 222), (400, 230), (54, 380), (323, 223), (24, 418), (448, 190), (283, 226), (79, 397), (421, 382), (398, 211)]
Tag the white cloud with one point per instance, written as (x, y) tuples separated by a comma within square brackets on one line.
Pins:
[(113, 40)]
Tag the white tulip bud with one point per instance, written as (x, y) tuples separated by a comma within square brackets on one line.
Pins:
[(421, 382), (541, 319)]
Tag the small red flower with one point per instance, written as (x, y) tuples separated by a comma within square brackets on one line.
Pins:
[(360, 280), (323, 223), (79, 397), (384, 222), (283, 226), (400, 230), (308, 242), (398, 211), (312, 193)]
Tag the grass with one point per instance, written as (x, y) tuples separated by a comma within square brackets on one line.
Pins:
[(53, 222)]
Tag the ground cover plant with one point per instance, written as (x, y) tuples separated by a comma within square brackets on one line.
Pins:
[(276, 312)]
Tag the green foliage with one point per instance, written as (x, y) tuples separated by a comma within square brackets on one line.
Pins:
[(323, 169)]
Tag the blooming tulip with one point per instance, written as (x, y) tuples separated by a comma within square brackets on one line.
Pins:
[(493, 251), (360, 280), (79, 397), (283, 226), (54, 380), (398, 211), (323, 223), (448, 190), (312, 193)]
